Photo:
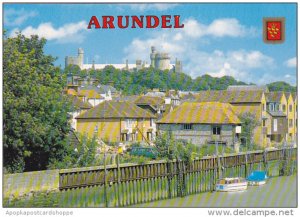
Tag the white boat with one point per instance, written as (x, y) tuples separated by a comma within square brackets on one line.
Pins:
[(231, 184)]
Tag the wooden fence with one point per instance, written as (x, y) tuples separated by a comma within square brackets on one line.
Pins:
[(124, 185)]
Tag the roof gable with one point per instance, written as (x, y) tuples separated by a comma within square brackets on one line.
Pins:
[(274, 96), (112, 109), (149, 100), (91, 94)]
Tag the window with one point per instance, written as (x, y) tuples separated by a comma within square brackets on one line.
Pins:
[(187, 126), (283, 108), (264, 122), (277, 107), (129, 123), (124, 137), (290, 122), (271, 107), (290, 108), (275, 125), (216, 130), (263, 107), (151, 122)]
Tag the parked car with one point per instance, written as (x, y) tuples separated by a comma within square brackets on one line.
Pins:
[(150, 152)]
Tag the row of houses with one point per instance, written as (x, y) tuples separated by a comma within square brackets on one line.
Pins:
[(201, 118)]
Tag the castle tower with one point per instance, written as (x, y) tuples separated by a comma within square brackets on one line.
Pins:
[(152, 56), (162, 61), (178, 66), (138, 65), (126, 67), (80, 57)]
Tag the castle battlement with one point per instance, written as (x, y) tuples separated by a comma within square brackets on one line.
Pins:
[(162, 56)]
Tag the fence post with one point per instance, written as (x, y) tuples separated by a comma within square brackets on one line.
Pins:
[(283, 163), (246, 164), (169, 177), (265, 162), (118, 179), (105, 181)]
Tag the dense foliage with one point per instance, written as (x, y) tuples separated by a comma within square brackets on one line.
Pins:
[(281, 86), (249, 122), (83, 155), (137, 82), (35, 121), (148, 78), (170, 148)]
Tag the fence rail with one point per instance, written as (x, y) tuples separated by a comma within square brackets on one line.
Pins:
[(84, 177)]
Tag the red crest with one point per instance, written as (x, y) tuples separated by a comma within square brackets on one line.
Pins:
[(274, 30)]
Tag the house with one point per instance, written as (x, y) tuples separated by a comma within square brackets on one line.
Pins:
[(79, 107), (91, 96), (117, 121), (155, 105), (295, 98), (202, 123), (276, 117), (242, 101), (291, 116), (172, 98)]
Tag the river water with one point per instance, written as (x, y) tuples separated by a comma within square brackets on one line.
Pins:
[(277, 192)]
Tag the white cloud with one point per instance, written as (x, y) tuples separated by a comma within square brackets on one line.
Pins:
[(145, 7), (218, 28), (71, 32), (291, 63), (228, 27), (287, 76), (14, 17), (184, 45)]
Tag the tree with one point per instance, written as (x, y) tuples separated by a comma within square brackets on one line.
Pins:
[(170, 148), (35, 121), (281, 86), (249, 122), (84, 155)]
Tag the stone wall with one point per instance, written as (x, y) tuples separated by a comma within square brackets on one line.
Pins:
[(200, 134)]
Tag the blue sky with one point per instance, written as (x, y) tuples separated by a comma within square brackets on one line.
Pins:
[(218, 39)]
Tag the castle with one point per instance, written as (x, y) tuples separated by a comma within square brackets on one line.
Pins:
[(159, 61)]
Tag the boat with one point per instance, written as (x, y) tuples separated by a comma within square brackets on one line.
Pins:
[(231, 184), (257, 178)]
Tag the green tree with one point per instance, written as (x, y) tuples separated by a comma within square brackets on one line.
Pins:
[(171, 148), (83, 155), (281, 86), (249, 122), (35, 121)]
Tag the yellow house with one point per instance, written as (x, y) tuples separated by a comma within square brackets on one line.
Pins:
[(243, 101), (291, 116), (294, 95), (117, 121)]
